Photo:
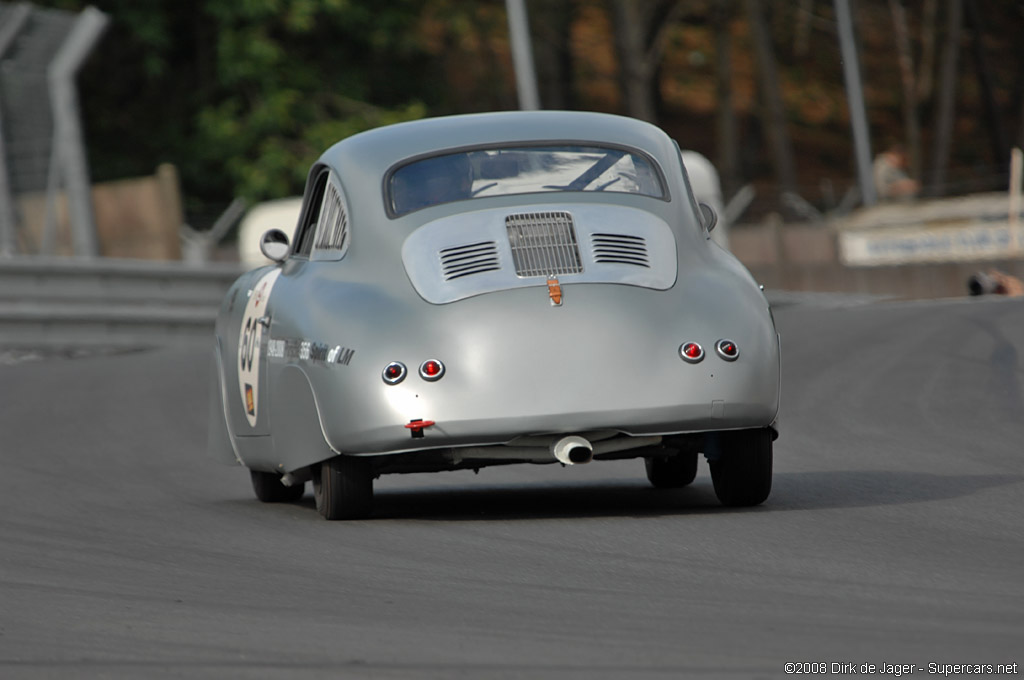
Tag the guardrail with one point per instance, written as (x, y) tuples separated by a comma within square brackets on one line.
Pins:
[(72, 303)]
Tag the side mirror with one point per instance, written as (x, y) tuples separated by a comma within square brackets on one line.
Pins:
[(274, 245), (707, 213)]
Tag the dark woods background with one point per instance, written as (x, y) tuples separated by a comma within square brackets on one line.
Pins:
[(242, 95)]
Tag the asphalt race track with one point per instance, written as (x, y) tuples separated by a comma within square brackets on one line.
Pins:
[(893, 534)]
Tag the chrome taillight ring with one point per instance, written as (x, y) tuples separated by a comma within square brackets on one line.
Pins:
[(394, 373), (727, 349), (691, 352), (431, 370)]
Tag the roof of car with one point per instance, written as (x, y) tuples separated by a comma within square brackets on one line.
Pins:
[(377, 150)]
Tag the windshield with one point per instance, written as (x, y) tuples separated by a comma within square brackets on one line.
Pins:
[(520, 170)]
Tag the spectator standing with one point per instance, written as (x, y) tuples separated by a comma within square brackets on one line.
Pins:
[(890, 174)]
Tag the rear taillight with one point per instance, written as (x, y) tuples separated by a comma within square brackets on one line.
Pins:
[(691, 352), (727, 349), (431, 370), (394, 373)]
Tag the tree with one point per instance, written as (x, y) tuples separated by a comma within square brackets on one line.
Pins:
[(773, 116), (242, 96), (994, 122), (295, 76), (551, 25), (726, 129), (943, 131), (641, 36), (910, 117)]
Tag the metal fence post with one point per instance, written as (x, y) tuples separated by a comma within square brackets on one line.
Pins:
[(522, 55), (855, 101), (14, 22), (68, 142), (1016, 172)]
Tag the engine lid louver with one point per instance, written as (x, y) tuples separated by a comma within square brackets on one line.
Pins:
[(620, 249), (543, 243), (473, 258)]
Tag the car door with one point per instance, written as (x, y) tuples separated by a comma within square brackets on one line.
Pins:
[(321, 238), (263, 345)]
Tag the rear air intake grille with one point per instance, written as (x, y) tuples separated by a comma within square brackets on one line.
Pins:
[(543, 244), (620, 249), (467, 260)]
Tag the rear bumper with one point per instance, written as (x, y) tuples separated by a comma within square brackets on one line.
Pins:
[(487, 419)]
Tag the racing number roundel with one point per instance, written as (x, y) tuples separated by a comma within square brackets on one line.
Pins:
[(250, 342)]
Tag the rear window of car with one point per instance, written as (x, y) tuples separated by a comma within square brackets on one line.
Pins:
[(482, 173)]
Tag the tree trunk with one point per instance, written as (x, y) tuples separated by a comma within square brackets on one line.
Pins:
[(910, 121), (773, 116), (727, 151), (928, 22), (802, 30), (634, 73), (994, 124), (947, 91), (641, 35), (551, 22)]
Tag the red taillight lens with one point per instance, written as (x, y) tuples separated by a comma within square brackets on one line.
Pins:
[(394, 373), (691, 352), (727, 349), (431, 370)]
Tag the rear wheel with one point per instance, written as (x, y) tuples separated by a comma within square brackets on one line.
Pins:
[(269, 489), (343, 487), (742, 472), (671, 472)]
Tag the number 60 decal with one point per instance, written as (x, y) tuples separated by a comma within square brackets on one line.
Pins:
[(250, 342)]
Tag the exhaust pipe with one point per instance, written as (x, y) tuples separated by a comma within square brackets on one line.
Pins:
[(572, 450)]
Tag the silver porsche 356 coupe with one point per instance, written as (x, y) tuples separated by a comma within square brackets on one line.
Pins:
[(522, 287)]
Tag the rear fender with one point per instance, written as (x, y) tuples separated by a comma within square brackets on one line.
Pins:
[(296, 430)]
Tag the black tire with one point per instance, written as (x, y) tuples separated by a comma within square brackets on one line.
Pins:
[(742, 472), (343, 488), (269, 489), (671, 472)]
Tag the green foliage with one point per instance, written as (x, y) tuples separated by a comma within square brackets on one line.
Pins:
[(243, 95), (295, 79)]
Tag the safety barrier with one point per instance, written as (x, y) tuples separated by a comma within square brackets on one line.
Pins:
[(73, 303)]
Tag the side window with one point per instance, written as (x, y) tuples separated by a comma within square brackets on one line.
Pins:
[(332, 233), (311, 216)]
